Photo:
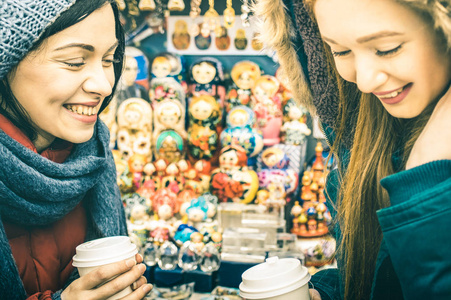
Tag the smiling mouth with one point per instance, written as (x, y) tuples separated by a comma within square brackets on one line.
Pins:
[(394, 93), (82, 109)]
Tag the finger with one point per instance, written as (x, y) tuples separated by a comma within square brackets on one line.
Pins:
[(121, 282), (142, 280), (139, 293), (106, 272), (139, 258), (314, 294)]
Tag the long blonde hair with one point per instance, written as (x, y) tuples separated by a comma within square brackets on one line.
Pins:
[(377, 136)]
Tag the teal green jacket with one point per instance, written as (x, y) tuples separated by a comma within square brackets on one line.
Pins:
[(414, 260)]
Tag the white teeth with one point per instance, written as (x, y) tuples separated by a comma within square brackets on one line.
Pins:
[(392, 94), (82, 109)]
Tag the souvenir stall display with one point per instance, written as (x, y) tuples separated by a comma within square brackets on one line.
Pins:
[(210, 159)]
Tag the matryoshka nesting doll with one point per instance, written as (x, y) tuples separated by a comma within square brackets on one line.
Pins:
[(203, 133), (267, 105), (240, 131), (232, 181), (166, 79), (169, 145), (207, 78), (244, 75), (181, 38), (128, 87), (169, 114), (134, 120)]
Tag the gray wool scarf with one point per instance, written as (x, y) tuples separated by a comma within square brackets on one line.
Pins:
[(35, 191)]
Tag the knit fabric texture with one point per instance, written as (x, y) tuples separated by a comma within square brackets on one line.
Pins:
[(35, 191), (22, 22)]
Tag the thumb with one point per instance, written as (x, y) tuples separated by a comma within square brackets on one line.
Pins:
[(314, 294)]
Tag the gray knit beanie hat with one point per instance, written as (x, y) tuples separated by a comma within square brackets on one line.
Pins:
[(22, 22)]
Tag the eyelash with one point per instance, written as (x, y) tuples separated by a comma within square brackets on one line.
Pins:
[(388, 52), (378, 53), (78, 65)]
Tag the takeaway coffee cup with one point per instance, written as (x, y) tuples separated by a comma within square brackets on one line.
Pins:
[(96, 253), (281, 279)]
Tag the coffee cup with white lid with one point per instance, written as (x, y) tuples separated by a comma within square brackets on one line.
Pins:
[(104, 251), (281, 279)]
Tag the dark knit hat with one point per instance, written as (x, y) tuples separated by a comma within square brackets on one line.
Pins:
[(22, 22)]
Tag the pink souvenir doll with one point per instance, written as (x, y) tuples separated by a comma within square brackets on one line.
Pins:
[(136, 165), (164, 203), (244, 75), (267, 105), (206, 78)]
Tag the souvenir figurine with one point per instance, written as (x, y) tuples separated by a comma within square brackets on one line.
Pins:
[(164, 203), (128, 87), (136, 164), (222, 40), (134, 121), (267, 105), (275, 173), (240, 131), (202, 35), (295, 130), (169, 114), (205, 115), (169, 145), (232, 181), (207, 78), (203, 169), (176, 5), (138, 223), (181, 38), (244, 75), (145, 5), (240, 39), (147, 190), (197, 211)]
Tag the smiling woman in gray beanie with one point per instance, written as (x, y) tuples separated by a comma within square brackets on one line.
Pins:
[(60, 61), (378, 74)]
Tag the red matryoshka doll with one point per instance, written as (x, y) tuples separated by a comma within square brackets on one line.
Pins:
[(207, 78), (136, 164), (203, 133), (267, 105), (244, 75), (164, 203), (232, 181)]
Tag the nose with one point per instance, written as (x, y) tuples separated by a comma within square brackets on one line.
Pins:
[(369, 74), (99, 80)]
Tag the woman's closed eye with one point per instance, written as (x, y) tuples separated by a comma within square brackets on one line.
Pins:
[(340, 53), (388, 52)]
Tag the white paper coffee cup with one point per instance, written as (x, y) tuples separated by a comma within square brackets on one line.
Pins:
[(281, 279), (104, 251)]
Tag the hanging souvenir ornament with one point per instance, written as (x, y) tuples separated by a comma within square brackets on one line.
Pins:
[(245, 10), (176, 5), (194, 13), (120, 4), (146, 5), (229, 15), (211, 16)]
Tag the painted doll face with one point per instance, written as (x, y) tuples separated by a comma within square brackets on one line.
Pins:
[(228, 160), (62, 85), (204, 72), (393, 53), (201, 110), (239, 118), (245, 81), (161, 67), (130, 71), (170, 116)]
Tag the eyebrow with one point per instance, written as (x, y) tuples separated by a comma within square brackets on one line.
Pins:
[(87, 47), (368, 38)]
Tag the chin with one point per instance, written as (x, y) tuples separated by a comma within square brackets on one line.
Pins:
[(80, 137)]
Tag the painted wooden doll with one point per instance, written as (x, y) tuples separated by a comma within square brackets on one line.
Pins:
[(244, 75)]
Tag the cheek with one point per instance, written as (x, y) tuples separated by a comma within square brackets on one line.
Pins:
[(346, 70)]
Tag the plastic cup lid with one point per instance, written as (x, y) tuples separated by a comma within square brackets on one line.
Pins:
[(104, 251), (272, 278)]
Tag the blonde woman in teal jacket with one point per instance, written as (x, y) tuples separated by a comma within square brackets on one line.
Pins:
[(377, 73)]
